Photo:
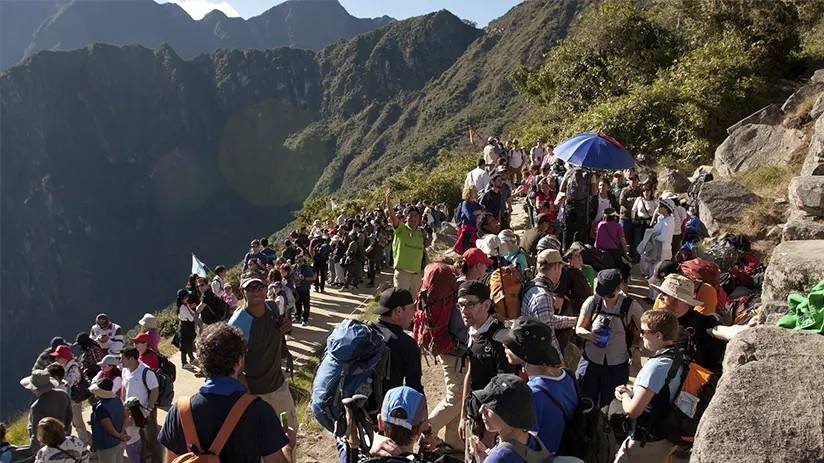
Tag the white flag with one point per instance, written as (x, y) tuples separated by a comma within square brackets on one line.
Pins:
[(199, 267)]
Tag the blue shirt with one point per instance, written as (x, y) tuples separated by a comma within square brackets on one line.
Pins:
[(113, 410), (468, 213), (501, 454), (652, 377), (304, 286), (549, 420)]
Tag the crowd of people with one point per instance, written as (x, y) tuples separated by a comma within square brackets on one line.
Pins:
[(511, 382)]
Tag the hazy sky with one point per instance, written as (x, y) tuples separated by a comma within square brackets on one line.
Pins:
[(480, 11)]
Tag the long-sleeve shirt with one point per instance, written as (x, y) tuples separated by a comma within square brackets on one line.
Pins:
[(539, 303), (55, 404)]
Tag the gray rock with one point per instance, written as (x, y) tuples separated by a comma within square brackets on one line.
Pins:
[(723, 202), (798, 98), (795, 267), (803, 229), (806, 193), (702, 169), (814, 162), (818, 108), (818, 76), (756, 145), (769, 115), (768, 407), (674, 180)]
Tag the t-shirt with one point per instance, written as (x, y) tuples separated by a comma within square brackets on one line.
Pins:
[(537, 154), (608, 235), (518, 258), (468, 209), (615, 352), (405, 357), (501, 454), (549, 420), (133, 382), (150, 359), (114, 411), (263, 349), (652, 377), (408, 249), (477, 178), (304, 285), (257, 434)]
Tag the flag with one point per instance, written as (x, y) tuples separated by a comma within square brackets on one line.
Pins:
[(199, 267), (472, 135), (334, 204)]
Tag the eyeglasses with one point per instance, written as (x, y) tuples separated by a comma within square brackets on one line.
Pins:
[(466, 304), (255, 288)]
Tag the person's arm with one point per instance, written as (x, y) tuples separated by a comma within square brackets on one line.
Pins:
[(414, 372), (726, 333), (109, 428), (311, 278), (583, 326), (634, 405), (393, 218), (153, 393)]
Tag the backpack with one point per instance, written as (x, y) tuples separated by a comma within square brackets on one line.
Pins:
[(322, 252), (748, 262), (216, 308), (436, 300), (167, 366), (695, 187), (723, 253), (505, 285), (355, 361), (542, 455), (165, 387), (578, 185), (701, 269), (531, 262), (598, 259), (588, 434), (210, 455), (629, 325), (80, 391)]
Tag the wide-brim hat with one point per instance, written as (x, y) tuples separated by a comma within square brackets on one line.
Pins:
[(39, 381), (679, 287), (149, 321)]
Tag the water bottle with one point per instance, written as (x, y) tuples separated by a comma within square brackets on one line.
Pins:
[(603, 333)]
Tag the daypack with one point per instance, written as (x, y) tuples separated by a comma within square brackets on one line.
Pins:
[(531, 262), (436, 300), (167, 366), (80, 391), (587, 434), (216, 308), (578, 185), (322, 252), (211, 455), (629, 325), (598, 259), (165, 387), (724, 254), (542, 455), (355, 361), (748, 262), (701, 269), (505, 287), (695, 187)]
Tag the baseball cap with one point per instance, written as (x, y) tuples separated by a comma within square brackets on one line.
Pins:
[(182, 293), (250, 277), (64, 352), (475, 256), (393, 298), (530, 340), (607, 282), (510, 398), (108, 360), (412, 402), (549, 256), (474, 288), (142, 337), (58, 341)]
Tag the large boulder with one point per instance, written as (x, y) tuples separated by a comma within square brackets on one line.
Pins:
[(802, 95), (756, 145), (723, 202), (768, 407), (803, 227), (814, 162), (674, 180), (818, 108), (769, 115), (795, 267), (806, 193)]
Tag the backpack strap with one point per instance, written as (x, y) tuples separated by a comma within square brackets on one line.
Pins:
[(184, 410), (555, 402), (231, 421)]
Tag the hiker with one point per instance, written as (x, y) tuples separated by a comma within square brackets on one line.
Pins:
[(350, 262), (45, 357), (543, 226), (602, 200), (492, 199), (575, 259), (547, 194), (529, 188), (92, 354), (626, 201), (263, 332), (473, 265), (679, 216), (408, 248), (289, 285), (267, 254), (140, 382), (255, 436), (304, 276), (517, 161), (540, 301), (662, 231), (486, 356), (253, 256), (618, 184), (401, 421), (50, 402), (513, 253), (218, 281), (488, 241), (148, 324), (58, 373), (110, 369), (642, 212), (74, 379), (648, 402), (186, 328), (374, 254), (320, 251), (336, 272), (108, 422), (289, 252), (229, 297), (537, 153), (606, 319), (214, 308), (705, 294), (609, 236), (574, 192), (470, 210), (108, 335), (554, 395), (477, 178), (491, 153), (147, 356), (698, 335), (56, 445), (395, 310)]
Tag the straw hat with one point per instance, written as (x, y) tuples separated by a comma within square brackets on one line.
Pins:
[(149, 321), (679, 287)]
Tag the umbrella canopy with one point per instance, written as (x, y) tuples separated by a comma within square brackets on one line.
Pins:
[(595, 151)]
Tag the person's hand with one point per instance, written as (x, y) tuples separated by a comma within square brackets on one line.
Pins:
[(285, 325), (478, 449), (384, 447), (462, 428), (124, 436), (754, 321), (559, 303), (620, 391)]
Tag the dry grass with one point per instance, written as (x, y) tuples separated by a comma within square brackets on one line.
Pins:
[(17, 432)]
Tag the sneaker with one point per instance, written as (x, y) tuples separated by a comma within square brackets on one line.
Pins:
[(188, 366), (304, 323)]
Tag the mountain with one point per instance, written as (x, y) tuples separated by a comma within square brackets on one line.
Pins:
[(71, 24)]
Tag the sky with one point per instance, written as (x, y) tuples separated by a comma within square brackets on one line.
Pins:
[(479, 11)]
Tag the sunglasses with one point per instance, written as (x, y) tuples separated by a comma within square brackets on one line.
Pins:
[(255, 288)]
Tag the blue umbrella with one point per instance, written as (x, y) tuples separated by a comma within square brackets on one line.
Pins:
[(595, 151)]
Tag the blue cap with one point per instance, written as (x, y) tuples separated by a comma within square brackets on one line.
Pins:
[(410, 401)]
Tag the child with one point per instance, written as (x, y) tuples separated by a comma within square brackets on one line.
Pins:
[(279, 297), (229, 296)]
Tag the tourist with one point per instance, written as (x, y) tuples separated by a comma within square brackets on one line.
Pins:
[(229, 297), (289, 252), (408, 248), (575, 259), (543, 226), (491, 153), (149, 326), (92, 354), (45, 357), (492, 199), (626, 201), (74, 378), (395, 310), (58, 373), (110, 369), (108, 421), (609, 236), (602, 200), (50, 403), (662, 236), (140, 383), (642, 212), (469, 212), (512, 252), (186, 328), (108, 335), (57, 445), (147, 356), (537, 153), (218, 282), (473, 265), (304, 277), (253, 256)]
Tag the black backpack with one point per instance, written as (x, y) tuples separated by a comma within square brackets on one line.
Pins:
[(166, 375), (588, 434), (216, 308), (80, 391), (322, 252), (629, 325), (577, 188)]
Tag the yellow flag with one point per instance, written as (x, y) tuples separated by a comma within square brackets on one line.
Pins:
[(472, 135)]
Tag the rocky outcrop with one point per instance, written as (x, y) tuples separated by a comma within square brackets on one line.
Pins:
[(814, 162), (769, 115), (768, 406), (795, 267), (818, 108), (803, 227), (756, 145), (674, 180), (806, 193), (723, 202)]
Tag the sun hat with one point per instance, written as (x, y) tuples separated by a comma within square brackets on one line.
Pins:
[(39, 381), (391, 299), (574, 248), (149, 321), (530, 340), (679, 287), (109, 360), (102, 388), (475, 256), (412, 402), (63, 352), (510, 398), (667, 203), (549, 256)]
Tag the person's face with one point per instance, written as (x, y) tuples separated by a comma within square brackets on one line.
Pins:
[(498, 181), (255, 293), (512, 358), (103, 322), (106, 367), (284, 273), (653, 340), (202, 287), (413, 219), (633, 183), (129, 363), (553, 272), (647, 193), (62, 361), (228, 290), (663, 210), (255, 247), (576, 260), (492, 422), (603, 188), (493, 226), (617, 180), (473, 311), (141, 346), (405, 315)]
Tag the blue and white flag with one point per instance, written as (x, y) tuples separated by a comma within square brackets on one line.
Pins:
[(199, 267)]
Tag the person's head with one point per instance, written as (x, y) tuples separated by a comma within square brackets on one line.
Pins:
[(474, 303), (659, 328), (50, 432), (63, 355), (103, 388), (56, 342), (285, 270), (108, 363), (102, 320), (203, 285), (506, 403), (509, 239), (474, 263), (412, 217), (543, 222), (551, 264), (528, 341), (39, 382), (469, 194), (646, 190), (608, 284), (396, 306), (253, 285), (603, 188), (487, 223), (220, 350), (662, 269), (495, 181), (220, 271), (665, 207), (632, 181), (481, 163), (546, 169), (574, 256), (84, 340), (141, 342), (288, 243), (129, 357), (676, 294), (255, 245), (403, 414), (56, 371), (148, 321), (610, 215), (182, 296), (618, 178)]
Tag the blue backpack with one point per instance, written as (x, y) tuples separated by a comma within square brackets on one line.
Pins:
[(355, 361)]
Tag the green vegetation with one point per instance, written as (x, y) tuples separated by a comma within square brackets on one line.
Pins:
[(17, 430), (768, 182)]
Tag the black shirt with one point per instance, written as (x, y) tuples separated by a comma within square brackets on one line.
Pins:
[(696, 341), (493, 202), (487, 358), (404, 357), (530, 240)]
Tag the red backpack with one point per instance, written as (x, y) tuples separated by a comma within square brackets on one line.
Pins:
[(701, 269), (436, 299)]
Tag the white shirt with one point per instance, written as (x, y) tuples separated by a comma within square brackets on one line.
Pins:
[(517, 157), (664, 227), (185, 314), (490, 155), (133, 383), (217, 286), (115, 342), (537, 153), (478, 179), (603, 204)]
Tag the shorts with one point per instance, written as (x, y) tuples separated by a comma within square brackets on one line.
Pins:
[(281, 400)]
